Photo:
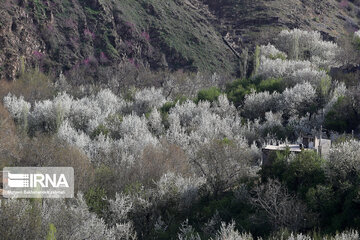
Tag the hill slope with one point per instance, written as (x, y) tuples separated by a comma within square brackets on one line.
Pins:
[(254, 22), (176, 34)]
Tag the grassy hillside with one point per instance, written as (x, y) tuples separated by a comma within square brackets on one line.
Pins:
[(255, 22), (180, 29), (61, 35), (164, 34)]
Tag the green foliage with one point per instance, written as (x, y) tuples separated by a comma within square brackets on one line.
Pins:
[(101, 129), (299, 173), (210, 94), (237, 90), (357, 43), (278, 164), (110, 49), (281, 56), (278, 131), (256, 59), (304, 171), (168, 105), (106, 179), (271, 85), (342, 138), (22, 65), (342, 117), (133, 188), (336, 204), (165, 109), (39, 10), (51, 232), (95, 199), (202, 50), (225, 208), (321, 198), (226, 141), (325, 85), (92, 11)]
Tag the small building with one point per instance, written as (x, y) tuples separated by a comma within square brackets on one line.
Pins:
[(309, 143)]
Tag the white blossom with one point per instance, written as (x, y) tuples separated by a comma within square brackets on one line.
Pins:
[(270, 51), (75, 221), (49, 114), (339, 91), (299, 44), (357, 34), (298, 98), (74, 137), (16, 106), (347, 235), (148, 98), (155, 122), (229, 232), (186, 112), (120, 208), (256, 104), (223, 107), (175, 186), (176, 133), (344, 159), (306, 75), (273, 121), (82, 112), (187, 232), (279, 68), (108, 102), (299, 236)]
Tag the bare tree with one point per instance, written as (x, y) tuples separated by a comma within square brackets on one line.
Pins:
[(281, 208), (223, 164)]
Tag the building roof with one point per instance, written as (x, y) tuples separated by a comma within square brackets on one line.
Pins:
[(282, 147)]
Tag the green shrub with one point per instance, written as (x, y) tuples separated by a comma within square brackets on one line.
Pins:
[(271, 85), (237, 90), (281, 56), (95, 199), (210, 94), (298, 173), (304, 171), (168, 105), (106, 178), (277, 167), (342, 117), (357, 43), (101, 129), (256, 60), (51, 232)]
